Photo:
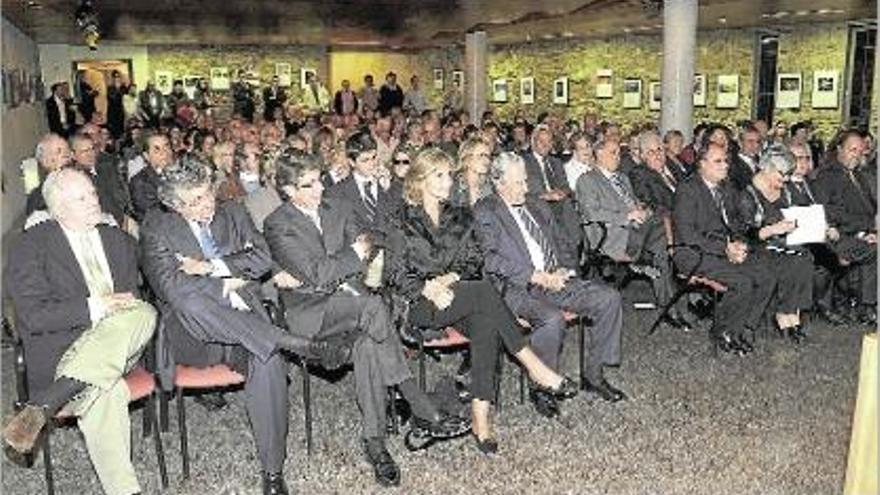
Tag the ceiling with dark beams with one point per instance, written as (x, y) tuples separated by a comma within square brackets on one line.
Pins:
[(398, 23)]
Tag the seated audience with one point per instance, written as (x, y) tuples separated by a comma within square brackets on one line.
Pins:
[(471, 179), (52, 153), (581, 160), (144, 185), (535, 266), (74, 283), (673, 143)]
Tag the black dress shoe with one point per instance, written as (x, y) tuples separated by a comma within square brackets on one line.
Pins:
[(797, 334), (604, 390), (443, 426), (212, 401), (488, 446), (729, 344), (332, 355), (545, 404), (745, 345), (273, 484), (832, 317), (384, 468), (565, 390), (867, 315)]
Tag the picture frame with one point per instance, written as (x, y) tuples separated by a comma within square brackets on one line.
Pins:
[(699, 90), (438, 78), (303, 75), (499, 90), (560, 91), (728, 91), (604, 83), (826, 89), (190, 82), (164, 81), (527, 90), (632, 93), (655, 95), (220, 80), (788, 90), (458, 79), (283, 71)]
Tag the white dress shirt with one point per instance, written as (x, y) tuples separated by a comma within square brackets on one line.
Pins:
[(535, 252), (91, 240), (361, 182), (574, 169)]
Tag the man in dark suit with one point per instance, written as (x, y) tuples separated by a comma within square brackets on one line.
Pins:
[(320, 244), (547, 181), (365, 190), (745, 163), (151, 103), (59, 110), (390, 94), (273, 97), (74, 285), (112, 192), (144, 185), (205, 263), (845, 189), (705, 217), (535, 265), (345, 102)]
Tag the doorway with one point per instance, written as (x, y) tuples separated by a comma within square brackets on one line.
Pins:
[(98, 74)]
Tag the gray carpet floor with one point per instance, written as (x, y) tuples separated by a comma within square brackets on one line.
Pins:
[(776, 422)]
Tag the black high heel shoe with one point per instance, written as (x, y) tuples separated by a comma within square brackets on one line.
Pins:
[(797, 334), (566, 389), (488, 445)]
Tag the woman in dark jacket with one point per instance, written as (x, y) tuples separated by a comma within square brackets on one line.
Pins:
[(439, 272), (760, 208)]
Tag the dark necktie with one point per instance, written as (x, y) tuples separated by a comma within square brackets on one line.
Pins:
[(719, 202), (206, 241), (620, 187), (370, 201), (855, 180), (534, 230)]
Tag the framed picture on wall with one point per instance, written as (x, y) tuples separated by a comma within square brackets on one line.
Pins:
[(655, 96), (728, 91), (499, 90), (304, 74), (604, 83), (283, 71), (699, 90), (457, 79), (220, 78), (560, 91), (825, 89), (632, 93), (189, 85), (527, 90), (788, 90), (438, 78), (164, 81)]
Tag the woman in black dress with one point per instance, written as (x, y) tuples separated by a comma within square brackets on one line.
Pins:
[(439, 272), (760, 207)]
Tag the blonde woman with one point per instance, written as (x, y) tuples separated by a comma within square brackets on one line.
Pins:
[(472, 176), (439, 272)]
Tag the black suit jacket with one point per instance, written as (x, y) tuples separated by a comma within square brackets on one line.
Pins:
[(112, 191), (535, 180), (50, 293), (144, 192), (697, 219), (271, 102), (650, 188), (848, 206), (740, 174), (53, 113), (337, 102), (194, 307), (502, 241), (322, 260), (388, 207)]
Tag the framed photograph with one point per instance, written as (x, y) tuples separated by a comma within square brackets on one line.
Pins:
[(220, 78), (189, 85), (788, 90), (164, 81), (499, 90), (438, 78), (604, 83), (632, 93), (304, 75), (283, 71), (458, 79), (728, 91), (655, 95), (699, 90), (560, 91), (527, 90), (825, 89)]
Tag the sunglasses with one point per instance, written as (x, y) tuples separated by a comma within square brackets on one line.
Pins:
[(400, 162)]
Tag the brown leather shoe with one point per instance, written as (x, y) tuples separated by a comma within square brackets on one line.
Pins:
[(23, 429)]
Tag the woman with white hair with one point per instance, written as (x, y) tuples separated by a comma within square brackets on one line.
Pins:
[(761, 208)]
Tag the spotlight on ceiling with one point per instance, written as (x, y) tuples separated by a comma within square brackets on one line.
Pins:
[(87, 20)]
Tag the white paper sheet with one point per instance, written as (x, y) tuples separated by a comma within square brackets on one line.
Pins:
[(811, 224)]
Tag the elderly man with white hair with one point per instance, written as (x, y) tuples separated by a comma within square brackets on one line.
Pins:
[(52, 153), (73, 281)]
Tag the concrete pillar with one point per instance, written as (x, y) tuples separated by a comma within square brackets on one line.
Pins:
[(476, 59), (679, 59)]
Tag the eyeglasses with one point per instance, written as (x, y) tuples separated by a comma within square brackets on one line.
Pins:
[(400, 162)]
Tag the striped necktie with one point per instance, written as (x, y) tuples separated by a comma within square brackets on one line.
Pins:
[(534, 230), (93, 272), (207, 243), (370, 201)]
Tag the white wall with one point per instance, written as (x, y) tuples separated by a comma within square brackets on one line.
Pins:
[(22, 128), (57, 60)]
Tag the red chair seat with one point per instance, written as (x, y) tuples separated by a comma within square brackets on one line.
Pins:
[(219, 375), (453, 338), (140, 382)]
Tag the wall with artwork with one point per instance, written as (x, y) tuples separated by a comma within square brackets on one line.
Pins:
[(23, 121), (57, 60)]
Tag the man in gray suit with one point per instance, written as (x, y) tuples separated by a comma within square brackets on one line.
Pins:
[(319, 242), (534, 263), (634, 233), (205, 261)]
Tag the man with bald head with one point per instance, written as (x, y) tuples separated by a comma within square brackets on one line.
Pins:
[(52, 153), (74, 283)]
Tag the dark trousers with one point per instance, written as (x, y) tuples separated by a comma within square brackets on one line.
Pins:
[(479, 312), (543, 310), (648, 242), (749, 287), (377, 354), (794, 275)]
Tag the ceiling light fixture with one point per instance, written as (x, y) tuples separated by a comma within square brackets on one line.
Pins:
[(87, 20)]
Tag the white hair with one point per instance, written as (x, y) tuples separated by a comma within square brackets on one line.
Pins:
[(55, 183), (40, 151), (502, 163)]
